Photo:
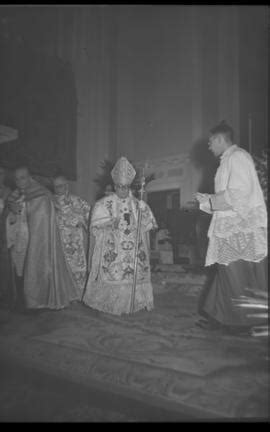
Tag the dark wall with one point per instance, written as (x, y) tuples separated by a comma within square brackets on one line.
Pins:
[(151, 80), (254, 75), (38, 95)]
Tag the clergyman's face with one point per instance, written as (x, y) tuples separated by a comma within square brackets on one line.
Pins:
[(22, 178), (60, 185), (217, 144), (122, 191), (108, 190)]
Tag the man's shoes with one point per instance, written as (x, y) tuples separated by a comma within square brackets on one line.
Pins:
[(92, 311), (208, 325), (204, 324)]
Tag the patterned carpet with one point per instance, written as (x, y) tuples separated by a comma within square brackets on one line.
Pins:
[(161, 357)]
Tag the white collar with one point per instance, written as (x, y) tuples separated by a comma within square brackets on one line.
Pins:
[(228, 151)]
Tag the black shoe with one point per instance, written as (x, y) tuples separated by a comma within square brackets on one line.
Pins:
[(92, 311), (208, 325)]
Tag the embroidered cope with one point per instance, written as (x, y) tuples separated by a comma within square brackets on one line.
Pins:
[(72, 218), (110, 281)]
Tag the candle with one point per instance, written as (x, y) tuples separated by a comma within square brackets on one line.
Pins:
[(249, 133)]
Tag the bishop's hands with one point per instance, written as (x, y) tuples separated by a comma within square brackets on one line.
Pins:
[(141, 204), (111, 224)]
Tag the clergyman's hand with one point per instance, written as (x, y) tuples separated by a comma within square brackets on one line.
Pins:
[(15, 207), (57, 206), (202, 198)]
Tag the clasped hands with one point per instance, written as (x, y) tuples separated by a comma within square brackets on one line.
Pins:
[(113, 223), (141, 204), (202, 197)]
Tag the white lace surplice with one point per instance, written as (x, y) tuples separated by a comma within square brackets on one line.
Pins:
[(238, 228)]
